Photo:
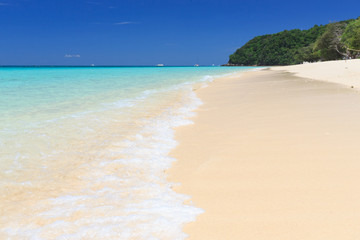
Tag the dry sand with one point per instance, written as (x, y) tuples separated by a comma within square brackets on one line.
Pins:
[(345, 72), (272, 156)]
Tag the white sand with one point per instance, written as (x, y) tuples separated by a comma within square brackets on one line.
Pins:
[(346, 72), (273, 156)]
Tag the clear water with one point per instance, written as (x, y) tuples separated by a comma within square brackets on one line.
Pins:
[(83, 151)]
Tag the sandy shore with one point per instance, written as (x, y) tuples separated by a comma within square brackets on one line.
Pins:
[(346, 72), (272, 156)]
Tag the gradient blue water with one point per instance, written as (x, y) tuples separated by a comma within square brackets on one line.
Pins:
[(32, 90), (84, 150)]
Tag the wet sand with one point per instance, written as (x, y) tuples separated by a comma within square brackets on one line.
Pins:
[(272, 156)]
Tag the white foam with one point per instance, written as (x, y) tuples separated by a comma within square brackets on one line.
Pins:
[(126, 197)]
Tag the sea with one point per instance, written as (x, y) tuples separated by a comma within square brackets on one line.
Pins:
[(84, 150)]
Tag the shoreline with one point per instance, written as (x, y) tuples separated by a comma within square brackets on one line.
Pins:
[(90, 162), (271, 156)]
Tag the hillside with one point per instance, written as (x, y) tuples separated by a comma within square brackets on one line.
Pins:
[(325, 42)]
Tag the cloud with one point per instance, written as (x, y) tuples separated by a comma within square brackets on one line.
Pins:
[(72, 55), (4, 4), (124, 23)]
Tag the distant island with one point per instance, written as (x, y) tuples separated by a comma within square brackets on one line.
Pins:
[(333, 41)]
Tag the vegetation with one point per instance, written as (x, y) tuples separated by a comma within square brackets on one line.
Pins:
[(325, 42), (351, 38), (329, 43)]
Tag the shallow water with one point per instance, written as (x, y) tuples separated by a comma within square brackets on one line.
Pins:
[(83, 150)]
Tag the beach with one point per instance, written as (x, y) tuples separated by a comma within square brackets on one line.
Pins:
[(346, 72), (84, 150), (273, 154)]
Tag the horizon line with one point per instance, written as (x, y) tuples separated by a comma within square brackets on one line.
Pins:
[(41, 65)]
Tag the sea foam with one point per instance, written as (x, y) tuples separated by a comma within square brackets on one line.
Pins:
[(126, 197), (97, 170)]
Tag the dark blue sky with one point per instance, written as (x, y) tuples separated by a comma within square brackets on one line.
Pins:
[(147, 32)]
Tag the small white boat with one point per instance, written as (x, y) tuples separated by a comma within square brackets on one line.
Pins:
[(160, 65)]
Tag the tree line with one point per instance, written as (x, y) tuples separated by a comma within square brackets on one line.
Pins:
[(337, 40)]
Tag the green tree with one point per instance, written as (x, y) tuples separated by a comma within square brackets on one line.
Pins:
[(307, 54), (351, 38), (281, 48), (329, 44)]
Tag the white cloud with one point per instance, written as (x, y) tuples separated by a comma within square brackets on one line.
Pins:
[(123, 23), (72, 55)]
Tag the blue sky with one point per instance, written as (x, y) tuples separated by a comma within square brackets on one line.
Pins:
[(147, 32)]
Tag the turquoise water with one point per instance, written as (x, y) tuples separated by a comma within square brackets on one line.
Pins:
[(37, 90), (84, 150)]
